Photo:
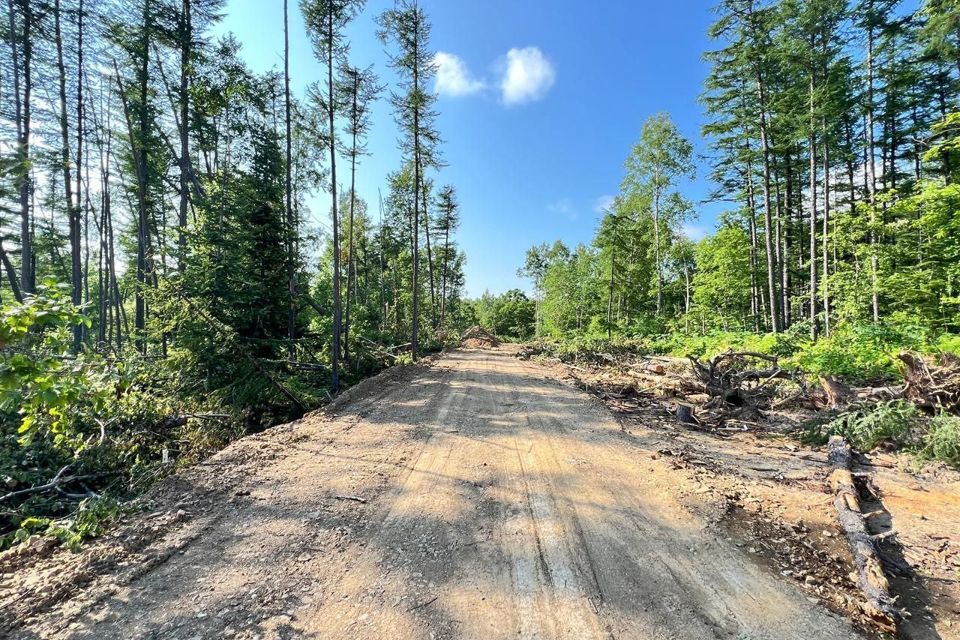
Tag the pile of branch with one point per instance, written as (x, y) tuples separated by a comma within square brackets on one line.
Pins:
[(932, 387), (837, 395), (739, 378)]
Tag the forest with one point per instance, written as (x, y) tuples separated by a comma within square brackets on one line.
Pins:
[(832, 130), (164, 290)]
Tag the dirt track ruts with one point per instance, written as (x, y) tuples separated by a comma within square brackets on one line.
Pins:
[(498, 504)]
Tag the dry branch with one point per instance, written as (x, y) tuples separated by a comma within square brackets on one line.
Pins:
[(54, 484), (739, 377), (879, 604), (934, 388)]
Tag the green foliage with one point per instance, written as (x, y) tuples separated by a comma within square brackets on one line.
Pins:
[(892, 423), (897, 424), (40, 379), (510, 316), (91, 518), (942, 440), (861, 352), (721, 294)]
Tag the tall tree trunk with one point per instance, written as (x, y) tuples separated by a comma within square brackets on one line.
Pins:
[(443, 277), (613, 250), (826, 231), (335, 347), (767, 213), (22, 114), (872, 174), (785, 265), (288, 188), (754, 263), (351, 265), (72, 206), (778, 241), (141, 152), (814, 329), (415, 285), (383, 284), (81, 162), (426, 232), (851, 185), (186, 52)]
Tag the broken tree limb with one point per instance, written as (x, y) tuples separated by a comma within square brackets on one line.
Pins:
[(873, 583), (54, 483)]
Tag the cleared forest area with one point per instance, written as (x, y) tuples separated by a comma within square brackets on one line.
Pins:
[(246, 392)]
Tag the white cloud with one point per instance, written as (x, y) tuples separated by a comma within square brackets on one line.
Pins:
[(602, 204), (527, 77), (693, 232), (563, 207), (453, 77)]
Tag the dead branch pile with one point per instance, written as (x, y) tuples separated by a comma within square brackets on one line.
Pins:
[(933, 387), (477, 337), (738, 378)]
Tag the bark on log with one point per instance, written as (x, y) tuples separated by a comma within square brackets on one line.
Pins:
[(879, 604), (651, 367), (685, 414)]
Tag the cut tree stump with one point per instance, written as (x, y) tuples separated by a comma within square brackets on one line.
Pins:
[(838, 394), (879, 603), (685, 414)]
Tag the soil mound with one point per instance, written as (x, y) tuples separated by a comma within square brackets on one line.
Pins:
[(478, 338)]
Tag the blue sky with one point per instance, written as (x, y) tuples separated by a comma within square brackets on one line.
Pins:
[(532, 157)]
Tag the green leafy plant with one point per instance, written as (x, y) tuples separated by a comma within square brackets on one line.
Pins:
[(40, 379), (90, 519), (942, 440), (866, 427)]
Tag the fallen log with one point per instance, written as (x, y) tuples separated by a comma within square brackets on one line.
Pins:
[(655, 368), (873, 583)]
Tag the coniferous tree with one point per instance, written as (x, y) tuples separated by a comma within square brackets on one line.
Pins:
[(408, 28), (326, 21)]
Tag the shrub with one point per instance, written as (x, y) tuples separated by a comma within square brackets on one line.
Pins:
[(866, 427), (90, 519), (942, 440), (861, 352), (948, 343)]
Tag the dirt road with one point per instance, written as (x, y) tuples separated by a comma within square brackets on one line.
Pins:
[(473, 498)]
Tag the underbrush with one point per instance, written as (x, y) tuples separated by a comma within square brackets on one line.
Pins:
[(81, 434), (856, 354), (895, 425)]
